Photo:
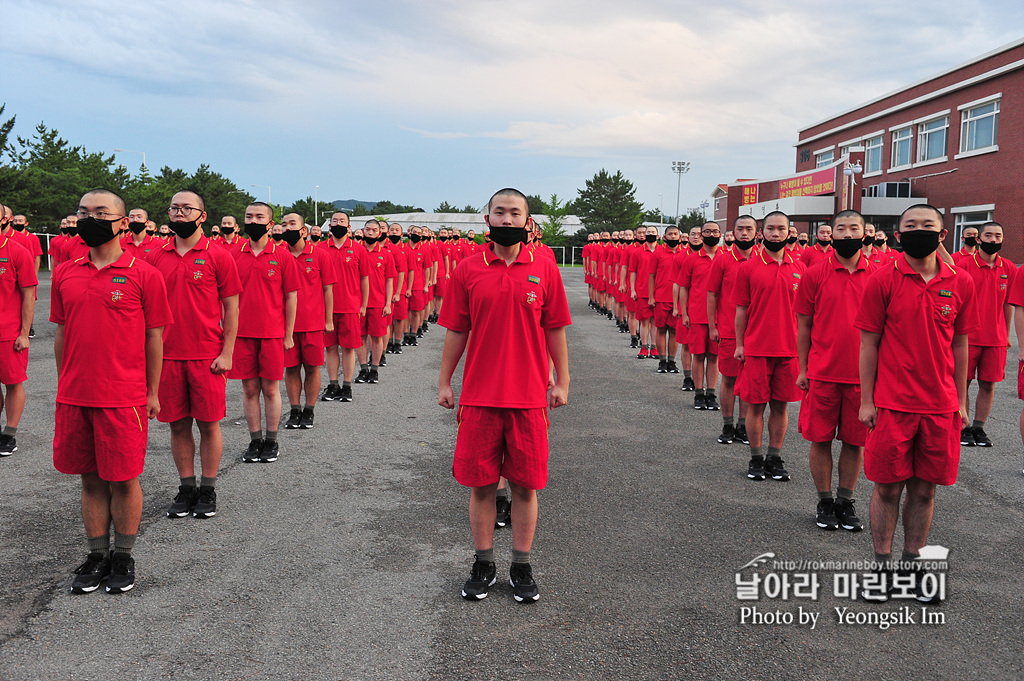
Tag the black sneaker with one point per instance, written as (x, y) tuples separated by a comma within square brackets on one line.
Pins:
[(662, 366), (634, 342), (520, 578), (293, 419), (728, 434), (331, 393), (503, 511), (981, 438), (672, 368), (31, 332), (412, 340), (122, 573), (699, 401), (419, 334), (345, 394), (91, 573), (967, 437), (741, 434), (398, 346), (373, 377), (252, 455), (878, 588), (773, 467), (206, 503), (755, 469), (391, 347), (362, 376), (826, 516), (183, 502), (928, 588), (481, 578), (711, 403), (405, 339), (846, 515), (688, 386), (383, 361), (8, 444), (269, 452), (306, 419)]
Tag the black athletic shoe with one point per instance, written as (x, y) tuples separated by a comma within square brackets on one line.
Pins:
[(293, 419), (481, 578), (390, 349), (306, 419), (503, 511), (774, 468), (711, 403), (270, 451), (418, 334), (183, 502), (91, 573), (252, 455), (688, 386), (634, 342), (755, 469), (405, 339), (373, 377), (741, 434), (8, 444), (383, 361), (206, 503), (345, 394), (662, 366), (31, 332), (927, 587), (412, 340), (122, 573), (699, 401), (332, 393), (728, 434), (520, 578), (878, 588), (672, 368), (967, 437), (362, 376), (846, 515), (398, 347), (981, 438), (826, 515)]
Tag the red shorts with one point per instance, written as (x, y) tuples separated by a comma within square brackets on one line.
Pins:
[(728, 365), (643, 310), (308, 349), (631, 305), (497, 442), (189, 388), (418, 299), (109, 441), (986, 363), (258, 358), (441, 287), (663, 315), (769, 378), (400, 310), (829, 411), (347, 331), (904, 446), (599, 284), (13, 365), (374, 324), (699, 340)]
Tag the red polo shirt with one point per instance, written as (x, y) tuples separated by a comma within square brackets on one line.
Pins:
[(662, 266), (642, 266), (266, 278), (105, 314), (417, 257), (830, 294), (382, 268), (351, 263), (693, 275), (55, 246), (505, 310), (196, 283), (721, 281), (316, 270), (961, 255), (237, 243), (148, 245), (74, 249), (400, 252), (812, 255), (28, 241), (917, 322), (17, 271), (991, 291), (768, 290)]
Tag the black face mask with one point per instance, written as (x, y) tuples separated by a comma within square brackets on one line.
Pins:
[(357, 238), (696, 247), (278, 236), (671, 243), (989, 247), (415, 238), (95, 232), (151, 232), (824, 243), (72, 231), (255, 231), (869, 241), (879, 242), (394, 238), (712, 241), (919, 243), (846, 248), (291, 236), (802, 242), (791, 240), (184, 229), (507, 236), (137, 227), (744, 245), (19, 228), (651, 238), (227, 231), (371, 240), (971, 241), (774, 246), (339, 231), (314, 237), (640, 239)]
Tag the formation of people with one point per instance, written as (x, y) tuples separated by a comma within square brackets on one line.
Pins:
[(879, 347), (151, 322)]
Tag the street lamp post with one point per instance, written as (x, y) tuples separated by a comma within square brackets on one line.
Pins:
[(661, 209), (316, 204), (679, 168), (703, 207), (270, 201), (130, 151)]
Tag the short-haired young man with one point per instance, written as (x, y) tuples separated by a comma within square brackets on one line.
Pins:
[(506, 304), (969, 237), (692, 289), (660, 287), (915, 318), (378, 311), (351, 292), (18, 283), (812, 255), (639, 289), (110, 310)]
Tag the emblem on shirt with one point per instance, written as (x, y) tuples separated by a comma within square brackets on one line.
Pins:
[(3, 270), (120, 280), (945, 294), (309, 259), (117, 295), (309, 270), (197, 275), (531, 296), (4, 260), (271, 272), (945, 310), (200, 261), (347, 259), (533, 280), (274, 262)]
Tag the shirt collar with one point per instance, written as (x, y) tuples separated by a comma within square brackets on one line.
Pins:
[(945, 269), (524, 255), (862, 263)]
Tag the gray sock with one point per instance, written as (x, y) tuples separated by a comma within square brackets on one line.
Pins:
[(271, 436), (909, 557), (710, 392), (189, 481), (364, 367), (844, 493), (883, 559), (11, 430), (210, 481), (825, 495), (334, 383), (309, 408), (741, 422), (485, 555), (123, 543), (698, 391), (774, 451), (502, 493), (755, 451), (727, 420), (974, 424), (687, 373), (99, 544), (521, 557), (255, 434), (346, 384)]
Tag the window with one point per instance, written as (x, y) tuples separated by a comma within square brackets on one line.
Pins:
[(965, 220), (900, 148), (873, 154), (824, 158), (931, 139), (718, 204), (980, 127)]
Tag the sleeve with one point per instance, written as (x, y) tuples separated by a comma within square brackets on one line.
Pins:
[(1016, 289), (455, 311), (56, 301), (328, 275), (685, 275), (228, 283), (1011, 275), (25, 268), (872, 315), (967, 319), (741, 291), (555, 313), (389, 266), (807, 293), (154, 298), (716, 275), (33, 245), (289, 274), (364, 261)]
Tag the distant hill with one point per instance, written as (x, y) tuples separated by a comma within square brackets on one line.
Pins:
[(349, 204)]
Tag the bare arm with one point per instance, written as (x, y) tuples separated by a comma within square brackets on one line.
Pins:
[(329, 307), (741, 328), (1018, 324), (684, 301), (960, 375), (868, 370), (291, 304), (558, 352), (804, 324), (154, 363), (454, 346), (229, 307), (364, 286), (712, 316), (28, 310)]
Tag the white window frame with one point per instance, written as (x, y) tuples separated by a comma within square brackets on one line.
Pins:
[(831, 151), (966, 120), (923, 135), (867, 154), (896, 130)]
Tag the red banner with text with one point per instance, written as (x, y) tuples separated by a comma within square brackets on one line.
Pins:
[(812, 184)]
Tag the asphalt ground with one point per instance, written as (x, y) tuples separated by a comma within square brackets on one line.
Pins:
[(344, 560)]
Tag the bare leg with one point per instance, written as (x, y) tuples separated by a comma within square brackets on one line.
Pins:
[(183, 447), (778, 422), (917, 514), (311, 384), (272, 402), (211, 447), (821, 465), (524, 516), (481, 516), (851, 460), (885, 511)]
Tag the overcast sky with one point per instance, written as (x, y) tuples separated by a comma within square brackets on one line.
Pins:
[(418, 102)]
